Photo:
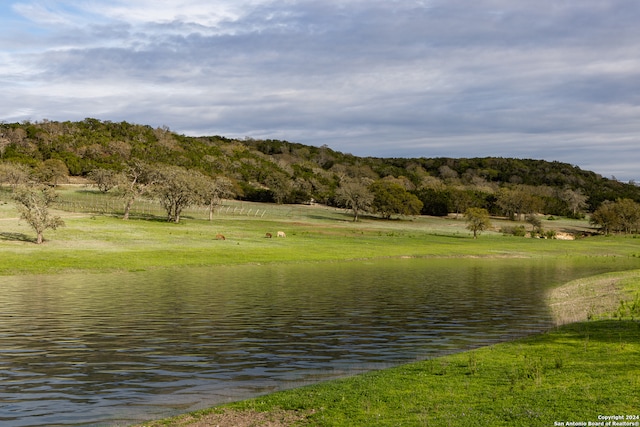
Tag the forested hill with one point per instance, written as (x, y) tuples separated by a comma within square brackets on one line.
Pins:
[(281, 171)]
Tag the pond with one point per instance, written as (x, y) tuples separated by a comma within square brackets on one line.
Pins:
[(120, 348)]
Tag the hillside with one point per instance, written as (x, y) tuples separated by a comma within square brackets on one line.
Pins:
[(282, 171)]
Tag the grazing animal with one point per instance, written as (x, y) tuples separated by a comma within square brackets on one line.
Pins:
[(281, 234), (268, 235), (220, 237)]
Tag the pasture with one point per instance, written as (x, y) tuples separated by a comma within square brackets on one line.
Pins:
[(95, 238)]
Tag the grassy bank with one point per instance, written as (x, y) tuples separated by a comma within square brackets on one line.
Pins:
[(575, 373)]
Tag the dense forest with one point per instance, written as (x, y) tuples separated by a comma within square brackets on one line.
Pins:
[(286, 172)]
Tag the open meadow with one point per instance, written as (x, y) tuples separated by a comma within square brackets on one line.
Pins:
[(95, 238)]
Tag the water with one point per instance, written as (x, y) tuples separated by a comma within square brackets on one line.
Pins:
[(118, 348)]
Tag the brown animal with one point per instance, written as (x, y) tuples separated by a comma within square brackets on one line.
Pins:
[(268, 235), (220, 237), (281, 234)]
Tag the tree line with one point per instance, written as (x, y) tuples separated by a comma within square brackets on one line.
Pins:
[(134, 160)]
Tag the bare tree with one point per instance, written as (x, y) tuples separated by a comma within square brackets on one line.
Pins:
[(575, 200), (104, 179), (33, 203), (134, 182), (212, 191), (14, 174)]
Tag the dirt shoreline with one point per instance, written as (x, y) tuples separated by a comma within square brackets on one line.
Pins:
[(232, 418), (589, 298)]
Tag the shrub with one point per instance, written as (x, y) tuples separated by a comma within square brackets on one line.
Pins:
[(518, 231)]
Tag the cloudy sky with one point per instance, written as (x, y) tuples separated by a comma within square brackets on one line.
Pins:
[(543, 79)]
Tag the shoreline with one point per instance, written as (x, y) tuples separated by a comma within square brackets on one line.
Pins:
[(591, 298), (95, 243), (573, 305)]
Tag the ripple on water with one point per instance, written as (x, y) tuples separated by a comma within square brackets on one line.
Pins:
[(125, 347)]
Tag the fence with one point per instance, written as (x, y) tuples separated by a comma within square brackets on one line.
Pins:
[(110, 205)]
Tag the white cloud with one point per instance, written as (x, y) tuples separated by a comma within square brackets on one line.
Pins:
[(452, 77), (46, 13)]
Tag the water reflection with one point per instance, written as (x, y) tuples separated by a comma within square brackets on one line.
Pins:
[(117, 348)]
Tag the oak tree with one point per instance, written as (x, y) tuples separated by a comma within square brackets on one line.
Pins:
[(176, 189), (477, 220), (355, 195), (391, 198), (33, 203), (135, 182)]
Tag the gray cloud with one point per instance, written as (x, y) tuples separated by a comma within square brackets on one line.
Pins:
[(557, 81)]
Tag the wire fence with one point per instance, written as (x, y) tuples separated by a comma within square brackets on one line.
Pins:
[(89, 201), (109, 205)]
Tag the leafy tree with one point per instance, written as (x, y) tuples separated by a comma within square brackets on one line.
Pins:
[(280, 186), (509, 202), (355, 195), (33, 203), (517, 201), (536, 224), (447, 174), (51, 171), (391, 198), (460, 199), (628, 215), (623, 216), (477, 220), (301, 190), (176, 189), (435, 201), (605, 217)]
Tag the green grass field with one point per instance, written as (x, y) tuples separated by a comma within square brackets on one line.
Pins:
[(102, 241)]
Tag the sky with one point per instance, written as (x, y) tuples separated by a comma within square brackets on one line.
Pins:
[(557, 80)]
